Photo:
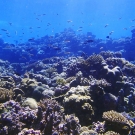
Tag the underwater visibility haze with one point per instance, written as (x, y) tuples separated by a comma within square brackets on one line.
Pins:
[(67, 67)]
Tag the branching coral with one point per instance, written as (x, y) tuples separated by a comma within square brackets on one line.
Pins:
[(5, 94), (117, 122)]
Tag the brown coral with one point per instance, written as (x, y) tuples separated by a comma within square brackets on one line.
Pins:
[(116, 122), (7, 82), (111, 133), (114, 116), (5, 95)]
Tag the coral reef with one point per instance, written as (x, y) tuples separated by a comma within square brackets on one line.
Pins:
[(77, 100), (117, 122), (5, 95)]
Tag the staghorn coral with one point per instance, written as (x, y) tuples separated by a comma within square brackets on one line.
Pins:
[(110, 133), (26, 131), (116, 122), (113, 116)]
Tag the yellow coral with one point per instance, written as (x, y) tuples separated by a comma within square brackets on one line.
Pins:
[(5, 94), (114, 116), (111, 133)]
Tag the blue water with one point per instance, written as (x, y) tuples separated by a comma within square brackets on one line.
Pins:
[(24, 19)]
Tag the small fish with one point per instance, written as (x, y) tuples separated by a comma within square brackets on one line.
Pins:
[(101, 48), (107, 37), (8, 47), (67, 41), (24, 57), (56, 48), (69, 21), (106, 25), (38, 27), (31, 39), (10, 23), (3, 29), (79, 30), (30, 54), (89, 41), (125, 28), (67, 52), (92, 71), (111, 32), (15, 32)]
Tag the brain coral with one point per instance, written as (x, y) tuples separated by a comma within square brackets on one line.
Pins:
[(31, 102)]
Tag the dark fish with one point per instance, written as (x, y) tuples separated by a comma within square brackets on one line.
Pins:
[(29, 49), (69, 21), (106, 25), (10, 23), (89, 41), (3, 29), (111, 32), (38, 27), (31, 39), (107, 37)]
